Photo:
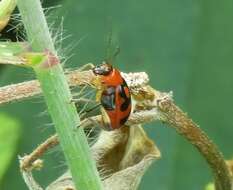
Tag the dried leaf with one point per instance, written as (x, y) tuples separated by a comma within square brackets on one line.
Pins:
[(122, 157)]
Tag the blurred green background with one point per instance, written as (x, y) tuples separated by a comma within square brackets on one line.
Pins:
[(184, 45)]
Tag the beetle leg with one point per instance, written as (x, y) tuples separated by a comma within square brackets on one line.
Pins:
[(105, 119), (98, 95), (96, 83), (93, 108), (89, 123), (83, 113)]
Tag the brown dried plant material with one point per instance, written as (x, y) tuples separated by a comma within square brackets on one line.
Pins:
[(21, 91), (119, 153), (31, 161), (229, 163), (122, 157)]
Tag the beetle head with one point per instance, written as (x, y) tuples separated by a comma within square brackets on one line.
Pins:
[(103, 69)]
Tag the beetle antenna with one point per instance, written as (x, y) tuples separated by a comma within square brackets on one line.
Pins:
[(117, 51), (111, 49), (108, 47)]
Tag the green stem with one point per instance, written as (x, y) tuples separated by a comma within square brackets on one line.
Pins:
[(58, 98)]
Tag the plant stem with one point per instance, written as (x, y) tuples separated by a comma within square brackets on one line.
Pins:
[(28, 160), (136, 118), (29, 180), (175, 117), (21, 91), (58, 98)]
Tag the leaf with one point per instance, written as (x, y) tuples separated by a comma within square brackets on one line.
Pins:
[(9, 137), (210, 186), (122, 157)]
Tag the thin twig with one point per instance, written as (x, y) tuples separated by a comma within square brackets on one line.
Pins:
[(171, 115), (21, 91), (30, 181), (28, 160), (175, 117), (159, 106), (140, 117)]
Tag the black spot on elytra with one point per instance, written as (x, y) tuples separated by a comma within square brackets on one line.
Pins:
[(108, 99), (123, 120), (125, 105), (127, 100)]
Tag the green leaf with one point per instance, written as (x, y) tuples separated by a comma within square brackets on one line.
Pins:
[(6, 7), (9, 137), (210, 186)]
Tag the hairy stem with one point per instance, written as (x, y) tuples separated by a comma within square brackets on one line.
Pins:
[(57, 95), (32, 88), (175, 117), (28, 160)]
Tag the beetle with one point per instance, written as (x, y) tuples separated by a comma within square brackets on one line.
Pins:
[(113, 95)]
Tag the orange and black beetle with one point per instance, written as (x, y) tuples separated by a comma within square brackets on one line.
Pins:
[(114, 96)]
